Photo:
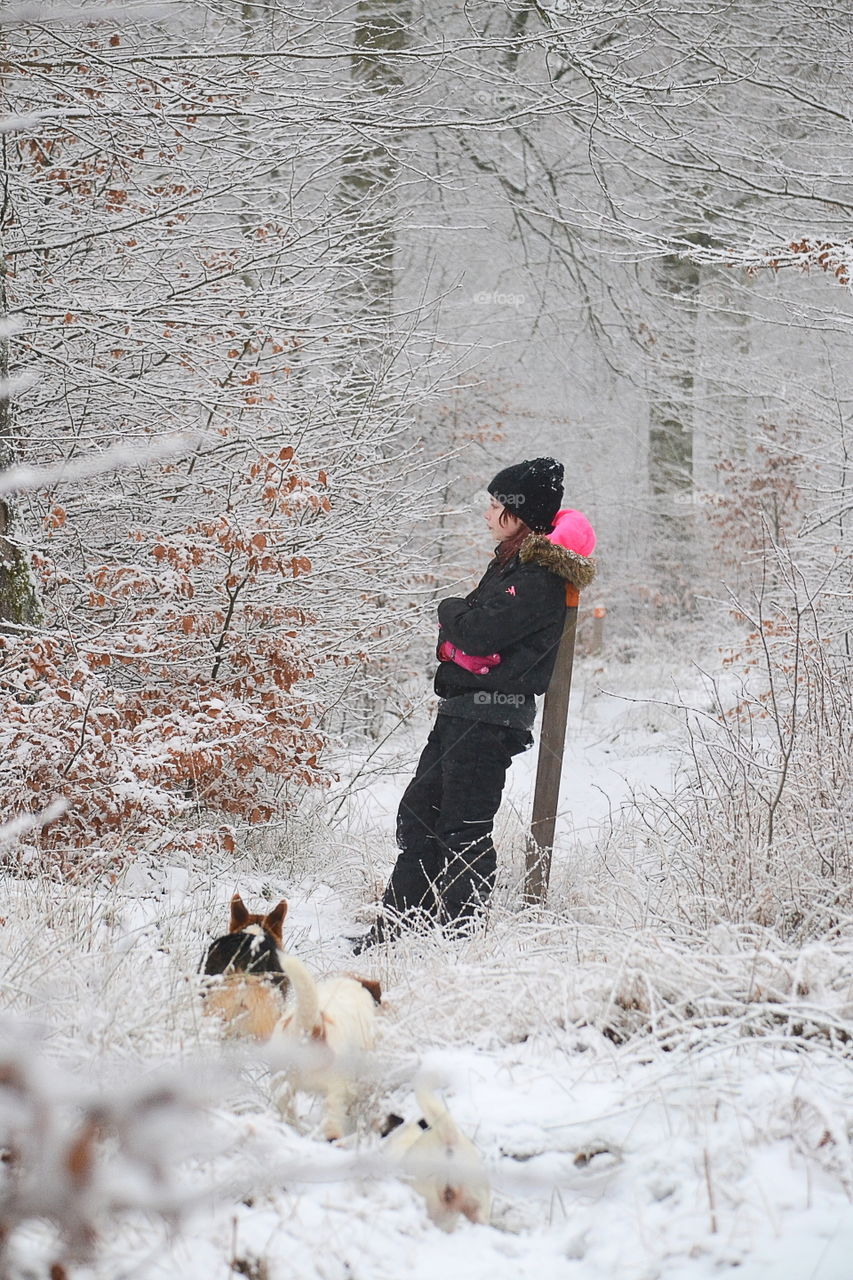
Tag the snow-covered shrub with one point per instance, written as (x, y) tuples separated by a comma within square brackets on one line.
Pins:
[(757, 828), (77, 1159), (175, 699)]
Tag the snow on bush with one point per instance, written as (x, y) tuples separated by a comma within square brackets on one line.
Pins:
[(77, 1158)]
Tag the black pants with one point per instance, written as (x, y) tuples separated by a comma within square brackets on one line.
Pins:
[(446, 867)]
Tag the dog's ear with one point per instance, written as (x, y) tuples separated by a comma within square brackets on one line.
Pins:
[(371, 985), (239, 915), (274, 920)]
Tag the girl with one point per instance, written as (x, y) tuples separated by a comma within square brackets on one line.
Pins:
[(515, 616)]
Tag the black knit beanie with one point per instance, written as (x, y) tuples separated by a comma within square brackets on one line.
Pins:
[(531, 490)]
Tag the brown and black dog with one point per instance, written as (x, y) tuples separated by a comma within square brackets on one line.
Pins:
[(252, 985), (319, 1028)]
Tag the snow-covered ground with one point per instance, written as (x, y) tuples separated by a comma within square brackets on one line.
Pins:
[(650, 1102)]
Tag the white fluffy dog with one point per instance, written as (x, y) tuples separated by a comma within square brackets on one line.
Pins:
[(442, 1164), (329, 1024)]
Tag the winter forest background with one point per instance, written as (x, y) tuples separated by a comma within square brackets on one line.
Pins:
[(283, 286)]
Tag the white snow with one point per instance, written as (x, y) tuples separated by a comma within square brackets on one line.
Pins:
[(649, 1104)]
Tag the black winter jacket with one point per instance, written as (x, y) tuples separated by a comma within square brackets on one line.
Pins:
[(518, 611)]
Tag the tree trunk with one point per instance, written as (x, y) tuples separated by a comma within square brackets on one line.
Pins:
[(371, 167), (18, 602), (671, 425)]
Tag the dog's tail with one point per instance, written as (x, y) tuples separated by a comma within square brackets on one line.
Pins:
[(462, 1187), (435, 1113), (308, 1014)]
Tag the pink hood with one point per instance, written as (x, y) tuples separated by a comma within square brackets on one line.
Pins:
[(572, 530)]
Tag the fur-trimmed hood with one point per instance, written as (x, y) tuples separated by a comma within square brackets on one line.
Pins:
[(538, 548)]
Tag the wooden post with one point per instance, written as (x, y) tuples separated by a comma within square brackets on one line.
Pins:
[(546, 795)]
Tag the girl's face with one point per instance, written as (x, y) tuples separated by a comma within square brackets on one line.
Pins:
[(501, 530)]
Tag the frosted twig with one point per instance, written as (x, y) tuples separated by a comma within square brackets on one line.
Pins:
[(26, 822), (119, 458)]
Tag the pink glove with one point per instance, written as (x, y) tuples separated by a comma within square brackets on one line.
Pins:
[(481, 666)]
